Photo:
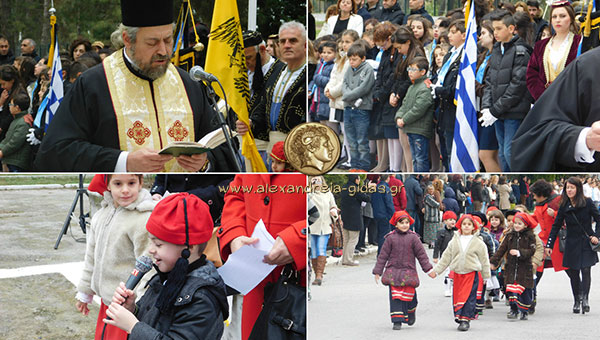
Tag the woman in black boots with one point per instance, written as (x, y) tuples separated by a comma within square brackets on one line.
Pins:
[(577, 211)]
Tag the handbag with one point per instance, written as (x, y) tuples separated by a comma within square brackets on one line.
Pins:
[(400, 278), (336, 238), (562, 239), (283, 315), (595, 247)]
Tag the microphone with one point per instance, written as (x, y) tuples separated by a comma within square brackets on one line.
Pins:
[(143, 264), (198, 73)]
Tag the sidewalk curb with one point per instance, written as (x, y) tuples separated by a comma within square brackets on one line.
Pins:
[(40, 186), (338, 260)]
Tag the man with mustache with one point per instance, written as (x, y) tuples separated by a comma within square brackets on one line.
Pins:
[(282, 106), (119, 114)]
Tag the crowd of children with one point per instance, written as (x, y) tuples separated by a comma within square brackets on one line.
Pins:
[(479, 256), (408, 116)]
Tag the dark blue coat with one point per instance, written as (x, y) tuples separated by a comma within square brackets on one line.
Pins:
[(412, 190), (320, 79), (382, 202), (450, 202)]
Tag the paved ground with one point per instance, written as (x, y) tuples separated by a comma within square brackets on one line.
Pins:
[(37, 302), (349, 305)]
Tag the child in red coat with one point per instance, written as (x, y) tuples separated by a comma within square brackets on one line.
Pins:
[(400, 249)]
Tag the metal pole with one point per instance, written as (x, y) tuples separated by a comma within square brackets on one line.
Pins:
[(252, 15)]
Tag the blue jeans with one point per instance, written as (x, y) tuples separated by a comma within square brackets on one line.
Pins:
[(419, 147), (14, 168), (318, 245), (356, 125), (416, 227), (505, 132)]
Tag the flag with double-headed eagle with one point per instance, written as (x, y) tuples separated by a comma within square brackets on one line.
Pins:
[(226, 60)]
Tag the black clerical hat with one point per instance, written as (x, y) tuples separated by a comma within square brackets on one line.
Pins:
[(251, 38), (144, 13)]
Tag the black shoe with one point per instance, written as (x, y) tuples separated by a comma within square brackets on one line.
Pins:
[(524, 316), (513, 314), (463, 326), (397, 326), (577, 306), (585, 303), (412, 317), (532, 308)]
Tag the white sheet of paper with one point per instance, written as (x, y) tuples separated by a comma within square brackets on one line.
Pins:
[(265, 240), (245, 269)]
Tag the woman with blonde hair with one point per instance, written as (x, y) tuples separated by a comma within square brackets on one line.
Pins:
[(320, 230)]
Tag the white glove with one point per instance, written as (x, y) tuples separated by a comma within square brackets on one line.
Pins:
[(31, 138), (487, 118), (433, 87)]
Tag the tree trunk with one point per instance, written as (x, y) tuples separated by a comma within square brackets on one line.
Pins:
[(45, 39)]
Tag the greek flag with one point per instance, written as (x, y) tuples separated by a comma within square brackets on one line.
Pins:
[(55, 95), (465, 150)]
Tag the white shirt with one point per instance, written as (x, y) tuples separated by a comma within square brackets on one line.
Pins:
[(464, 241), (265, 69)]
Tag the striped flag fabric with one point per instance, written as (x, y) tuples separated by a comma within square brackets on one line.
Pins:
[(56, 93), (465, 149)]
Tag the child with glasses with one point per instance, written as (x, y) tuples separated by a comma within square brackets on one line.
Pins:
[(415, 116)]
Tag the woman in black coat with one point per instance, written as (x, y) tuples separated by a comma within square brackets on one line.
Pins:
[(351, 199), (577, 211)]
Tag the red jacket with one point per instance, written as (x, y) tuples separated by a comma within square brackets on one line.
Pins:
[(399, 198), (541, 215), (284, 215)]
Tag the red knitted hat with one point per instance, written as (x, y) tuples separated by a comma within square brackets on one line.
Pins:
[(470, 217), (277, 152), (168, 220), (448, 214), (400, 214), (529, 221)]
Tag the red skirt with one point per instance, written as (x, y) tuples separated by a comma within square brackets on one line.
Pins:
[(111, 332)]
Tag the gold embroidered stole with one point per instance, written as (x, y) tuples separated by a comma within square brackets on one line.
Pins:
[(549, 70), (149, 114)]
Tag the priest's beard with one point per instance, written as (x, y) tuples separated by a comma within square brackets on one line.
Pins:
[(146, 69)]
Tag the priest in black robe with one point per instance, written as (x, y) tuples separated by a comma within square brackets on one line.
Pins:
[(562, 130), (120, 113)]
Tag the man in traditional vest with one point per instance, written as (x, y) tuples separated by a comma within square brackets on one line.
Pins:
[(120, 114), (283, 106)]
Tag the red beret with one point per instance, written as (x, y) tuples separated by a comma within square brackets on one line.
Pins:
[(167, 221), (400, 214), (527, 219), (277, 152), (470, 217), (448, 215), (98, 184), (492, 208)]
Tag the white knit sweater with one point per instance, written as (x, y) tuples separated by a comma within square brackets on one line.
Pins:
[(116, 237)]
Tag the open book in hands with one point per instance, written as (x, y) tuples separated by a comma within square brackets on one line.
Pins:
[(207, 143)]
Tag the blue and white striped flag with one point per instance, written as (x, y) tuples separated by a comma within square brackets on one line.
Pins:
[(465, 150), (56, 93)]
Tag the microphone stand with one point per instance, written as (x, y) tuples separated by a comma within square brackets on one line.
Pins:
[(224, 126)]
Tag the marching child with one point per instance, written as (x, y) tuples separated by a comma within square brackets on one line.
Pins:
[(320, 103), (444, 236), (467, 257), (115, 239), (519, 245), (397, 269), (186, 299)]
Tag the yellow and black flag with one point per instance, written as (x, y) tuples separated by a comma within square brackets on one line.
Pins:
[(226, 60)]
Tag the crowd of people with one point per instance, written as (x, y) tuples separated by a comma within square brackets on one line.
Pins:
[(404, 119), (28, 74), (276, 69), (486, 246)]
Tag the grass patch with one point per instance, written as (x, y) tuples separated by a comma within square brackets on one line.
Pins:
[(42, 179)]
